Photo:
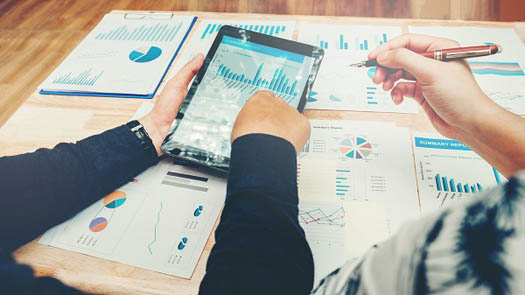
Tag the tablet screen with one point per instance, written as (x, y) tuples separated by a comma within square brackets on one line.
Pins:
[(238, 69)]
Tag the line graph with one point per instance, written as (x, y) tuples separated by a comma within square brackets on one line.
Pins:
[(320, 217), (155, 231)]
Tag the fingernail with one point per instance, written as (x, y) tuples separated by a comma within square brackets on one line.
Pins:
[(383, 56)]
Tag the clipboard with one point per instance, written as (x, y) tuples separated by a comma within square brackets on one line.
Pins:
[(132, 16)]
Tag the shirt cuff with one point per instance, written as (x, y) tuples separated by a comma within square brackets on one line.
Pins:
[(264, 163)]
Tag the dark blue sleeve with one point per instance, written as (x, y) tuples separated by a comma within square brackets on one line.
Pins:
[(46, 187), (260, 247)]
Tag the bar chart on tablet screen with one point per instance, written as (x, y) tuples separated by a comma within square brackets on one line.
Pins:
[(207, 29)]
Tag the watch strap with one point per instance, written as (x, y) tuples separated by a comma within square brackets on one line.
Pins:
[(142, 136)]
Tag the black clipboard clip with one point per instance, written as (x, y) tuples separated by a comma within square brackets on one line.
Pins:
[(149, 15)]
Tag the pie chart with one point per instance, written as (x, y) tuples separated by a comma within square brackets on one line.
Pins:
[(145, 54), (198, 211), (115, 199), (355, 147), (98, 224)]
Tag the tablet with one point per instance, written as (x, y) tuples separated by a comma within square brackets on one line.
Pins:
[(239, 64)]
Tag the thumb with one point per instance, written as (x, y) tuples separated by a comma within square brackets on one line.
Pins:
[(186, 74), (422, 68)]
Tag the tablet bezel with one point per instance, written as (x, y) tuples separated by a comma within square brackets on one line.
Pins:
[(284, 44)]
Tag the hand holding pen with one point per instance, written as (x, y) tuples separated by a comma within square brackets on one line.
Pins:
[(446, 91), (446, 54)]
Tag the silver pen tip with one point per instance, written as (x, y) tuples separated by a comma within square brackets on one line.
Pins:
[(357, 65)]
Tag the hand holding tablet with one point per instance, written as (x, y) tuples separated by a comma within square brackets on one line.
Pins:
[(239, 64)]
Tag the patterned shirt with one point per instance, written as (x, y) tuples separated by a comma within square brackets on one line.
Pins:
[(476, 247)]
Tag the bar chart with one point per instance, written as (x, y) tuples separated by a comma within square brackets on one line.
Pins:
[(343, 183), (363, 44), (149, 33), (343, 45), (280, 82), (360, 42), (207, 29), (87, 77), (444, 184), (339, 87), (371, 95), (449, 172), (120, 57), (273, 30)]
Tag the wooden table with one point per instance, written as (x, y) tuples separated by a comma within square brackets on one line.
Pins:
[(45, 120)]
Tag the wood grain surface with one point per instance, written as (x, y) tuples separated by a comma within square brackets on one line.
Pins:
[(44, 121)]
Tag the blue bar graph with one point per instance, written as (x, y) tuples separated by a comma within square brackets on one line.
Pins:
[(342, 44), (152, 33), (438, 182), (364, 45), (368, 44), (211, 29), (444, 184), (371, 95), (86, 77), (342, 183), (279, 82)]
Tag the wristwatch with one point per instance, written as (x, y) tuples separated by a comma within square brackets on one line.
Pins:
[(142, 136)]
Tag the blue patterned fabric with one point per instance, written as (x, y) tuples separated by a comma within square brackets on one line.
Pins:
[(472, 248)]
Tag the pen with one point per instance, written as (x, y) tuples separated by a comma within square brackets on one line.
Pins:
[(446, 54)]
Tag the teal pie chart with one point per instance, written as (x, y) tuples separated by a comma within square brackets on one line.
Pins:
[(145, 54)]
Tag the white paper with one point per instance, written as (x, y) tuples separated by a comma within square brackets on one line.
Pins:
[(338, 231), (373, 163), (448, 172), (123, 56), (206, 30), (366, 166), (341, 87), (160, 221), (501, 76)]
